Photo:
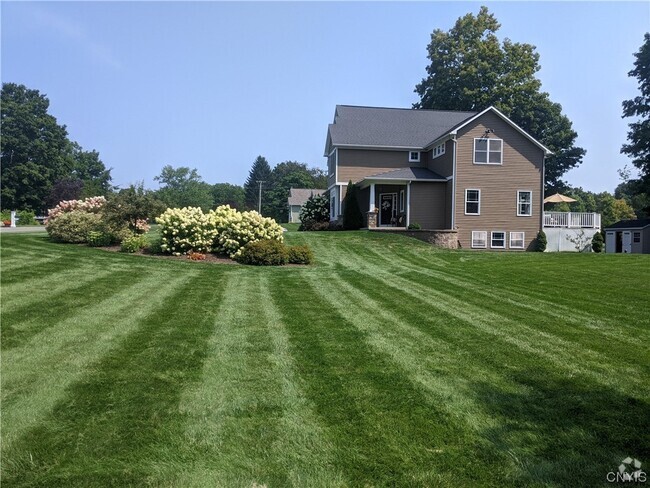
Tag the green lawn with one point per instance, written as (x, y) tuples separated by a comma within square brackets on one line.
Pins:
[(387, 363)]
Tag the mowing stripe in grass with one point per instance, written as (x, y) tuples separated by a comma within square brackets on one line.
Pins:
[(116, 420), (31, 292), (386, 431), (28, 394), (233, 413), (564, 354), (22, 324)]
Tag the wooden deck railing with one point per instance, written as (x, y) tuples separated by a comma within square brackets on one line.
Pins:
[(584, 220)]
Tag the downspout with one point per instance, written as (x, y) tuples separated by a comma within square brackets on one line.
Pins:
[(453, 187)]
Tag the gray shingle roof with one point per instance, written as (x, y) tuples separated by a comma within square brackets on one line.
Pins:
[(393, 127), (630, 224), (298, 196), (408, 174)]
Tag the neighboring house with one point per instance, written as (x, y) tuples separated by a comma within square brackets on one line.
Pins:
[(476, 173), (297, 198), (628, 236)]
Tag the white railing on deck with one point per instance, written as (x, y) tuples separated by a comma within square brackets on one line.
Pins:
[(585, 220)]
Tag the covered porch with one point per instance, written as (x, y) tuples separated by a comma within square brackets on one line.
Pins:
[(396, 199)]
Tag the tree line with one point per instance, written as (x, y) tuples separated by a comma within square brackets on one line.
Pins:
[(41, 166)]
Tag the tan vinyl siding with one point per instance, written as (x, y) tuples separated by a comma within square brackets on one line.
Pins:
[(356, 164), (331, 169), (429, 205), (449, 194), (444, 164), (522, 169)]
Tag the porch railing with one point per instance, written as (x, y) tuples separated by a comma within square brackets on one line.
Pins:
[(584, 220)]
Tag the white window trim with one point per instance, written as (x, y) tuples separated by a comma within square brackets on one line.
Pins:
[(479, 232), (531, 203), (479, 201), (523, 240), (411, 160), (438, 151), (492, 239), (488, 139)]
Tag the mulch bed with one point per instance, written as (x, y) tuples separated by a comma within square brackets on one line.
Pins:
[(209, 257)]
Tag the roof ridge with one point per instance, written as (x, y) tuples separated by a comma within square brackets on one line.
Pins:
[(409, 109)]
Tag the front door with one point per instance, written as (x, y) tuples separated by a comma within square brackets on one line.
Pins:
[(627, 242), (387, 208)]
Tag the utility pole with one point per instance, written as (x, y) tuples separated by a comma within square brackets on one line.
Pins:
[(259, 198)]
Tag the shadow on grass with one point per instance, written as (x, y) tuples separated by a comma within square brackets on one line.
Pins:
[(565, 431)]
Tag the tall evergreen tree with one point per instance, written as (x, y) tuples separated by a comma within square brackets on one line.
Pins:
[(261, 171), (352, 216), (638, 146), (470, 70)]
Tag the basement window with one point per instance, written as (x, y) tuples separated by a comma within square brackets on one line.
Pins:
[(479, 239)]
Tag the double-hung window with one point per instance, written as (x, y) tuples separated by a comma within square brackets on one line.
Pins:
[(498, 240), (488, 151), (414, 157), (517, 240), (479, 239), (636, 237), (524, 203), (472, 202)]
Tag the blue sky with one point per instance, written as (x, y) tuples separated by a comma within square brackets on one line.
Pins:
[(211, 85)]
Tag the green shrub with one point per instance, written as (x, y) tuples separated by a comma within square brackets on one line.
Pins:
[(312, 225), (26, 217), (267, 252), (597, 242), (73, 226), (352, 216), (133, 243), (540, 242), (155, 246), (414, 226), (300, 255), (315, 210), (5, 215), (98, 238)]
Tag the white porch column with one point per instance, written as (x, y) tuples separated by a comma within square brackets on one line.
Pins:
[(408, 204), (372, 197), (13, 218)]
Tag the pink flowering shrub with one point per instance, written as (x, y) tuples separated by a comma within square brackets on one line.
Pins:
[(90, 205), (142, 226)]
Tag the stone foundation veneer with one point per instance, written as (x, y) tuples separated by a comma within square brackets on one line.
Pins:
[(371, 219), (446, 239)]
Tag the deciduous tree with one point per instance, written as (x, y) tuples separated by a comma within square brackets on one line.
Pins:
[(470, 70), (183, 187), (638, 137)]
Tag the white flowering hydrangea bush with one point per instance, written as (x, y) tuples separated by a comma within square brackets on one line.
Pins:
[(236, 229), (223, 230), (186, 229)]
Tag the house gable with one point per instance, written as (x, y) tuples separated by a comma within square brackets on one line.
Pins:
[(521, 170)]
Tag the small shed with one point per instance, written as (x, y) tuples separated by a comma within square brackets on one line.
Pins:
[(628, 236), (297, 198)]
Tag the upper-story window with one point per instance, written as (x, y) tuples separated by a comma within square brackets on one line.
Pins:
[(488, 151), (414, 157), (439, 150), (472, 202), (524, 203)]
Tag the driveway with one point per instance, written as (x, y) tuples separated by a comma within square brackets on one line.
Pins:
[(22, 229)]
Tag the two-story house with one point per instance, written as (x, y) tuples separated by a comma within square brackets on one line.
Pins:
[(476, 173)]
